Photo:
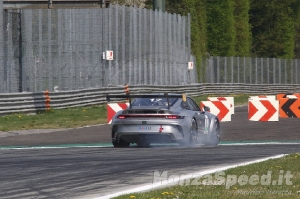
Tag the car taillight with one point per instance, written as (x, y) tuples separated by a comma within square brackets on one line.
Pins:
[(121, 116), (174, 117)]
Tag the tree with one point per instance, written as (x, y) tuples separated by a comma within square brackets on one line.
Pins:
[(242, 28), (221, 35), (273, 28), (297, 33)]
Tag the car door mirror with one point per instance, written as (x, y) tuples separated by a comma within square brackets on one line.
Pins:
[(206, 108)]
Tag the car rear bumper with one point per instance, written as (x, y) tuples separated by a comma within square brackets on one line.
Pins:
[(151, 133), (146, 137)]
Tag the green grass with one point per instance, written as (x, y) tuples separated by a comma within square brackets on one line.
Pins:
[(236, 191), (71, 118), (54, 119)]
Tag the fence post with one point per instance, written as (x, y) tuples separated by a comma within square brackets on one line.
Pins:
[(292, 70), (124, 68), (140, 39), (296, 71), (285, 72), (261, 70), (21, 71), (2, 63), (231, 69), (250, 69), (279, 66), (218, 69), (130, 47), (238, 66), (268, 70), (274, 71), (134, 50), (256, 70), (2, 80), (47, 100), (109, 44), (244, 70), (225, 70)]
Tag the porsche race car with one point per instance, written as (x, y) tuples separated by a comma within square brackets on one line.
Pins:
[(163, 118)]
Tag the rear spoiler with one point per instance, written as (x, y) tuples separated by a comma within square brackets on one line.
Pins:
[(128, 96)]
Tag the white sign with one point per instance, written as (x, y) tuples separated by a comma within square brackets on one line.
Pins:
[(190, 65), (109, 55)]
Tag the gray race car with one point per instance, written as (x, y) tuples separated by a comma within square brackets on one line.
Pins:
[(163, 118)]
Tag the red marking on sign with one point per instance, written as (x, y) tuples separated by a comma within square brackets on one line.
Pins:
[(223, 109), (113, 108), (271, 110), (110, 113), (123, 105), (252, 110)]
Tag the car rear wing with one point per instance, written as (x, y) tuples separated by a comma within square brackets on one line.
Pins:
[(129, 97)]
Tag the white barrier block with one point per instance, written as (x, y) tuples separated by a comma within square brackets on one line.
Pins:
[(219, 108), (230, 99), (263, 110)]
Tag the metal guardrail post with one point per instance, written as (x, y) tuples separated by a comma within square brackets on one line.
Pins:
[(126, 91), (47, 100), (2, 58)]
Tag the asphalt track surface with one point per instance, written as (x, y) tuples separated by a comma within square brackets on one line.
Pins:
[(95, 172), (99, 171)]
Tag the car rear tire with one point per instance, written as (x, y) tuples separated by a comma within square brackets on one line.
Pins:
[(193, 139), (193, 133)]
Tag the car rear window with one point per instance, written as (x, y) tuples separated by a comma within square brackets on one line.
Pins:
[(153, 101)]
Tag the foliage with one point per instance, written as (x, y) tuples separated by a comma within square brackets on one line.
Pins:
[(258, 28), (297, 35), (221, 34), (242, 28), (198, 33), (273, 29), (138, 3)]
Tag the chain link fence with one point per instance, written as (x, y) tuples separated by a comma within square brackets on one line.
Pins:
[(252, 70), (62, 49)]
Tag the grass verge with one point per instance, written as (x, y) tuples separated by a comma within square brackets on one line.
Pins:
[(261, 177), (72, 117)]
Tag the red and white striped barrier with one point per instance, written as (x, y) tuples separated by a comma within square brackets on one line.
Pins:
[(113, 108), (219, 108), (263, 97), (230, 99), (263, 110)]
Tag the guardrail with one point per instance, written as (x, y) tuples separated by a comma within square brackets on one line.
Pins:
[(33, 102), (54, 4)]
